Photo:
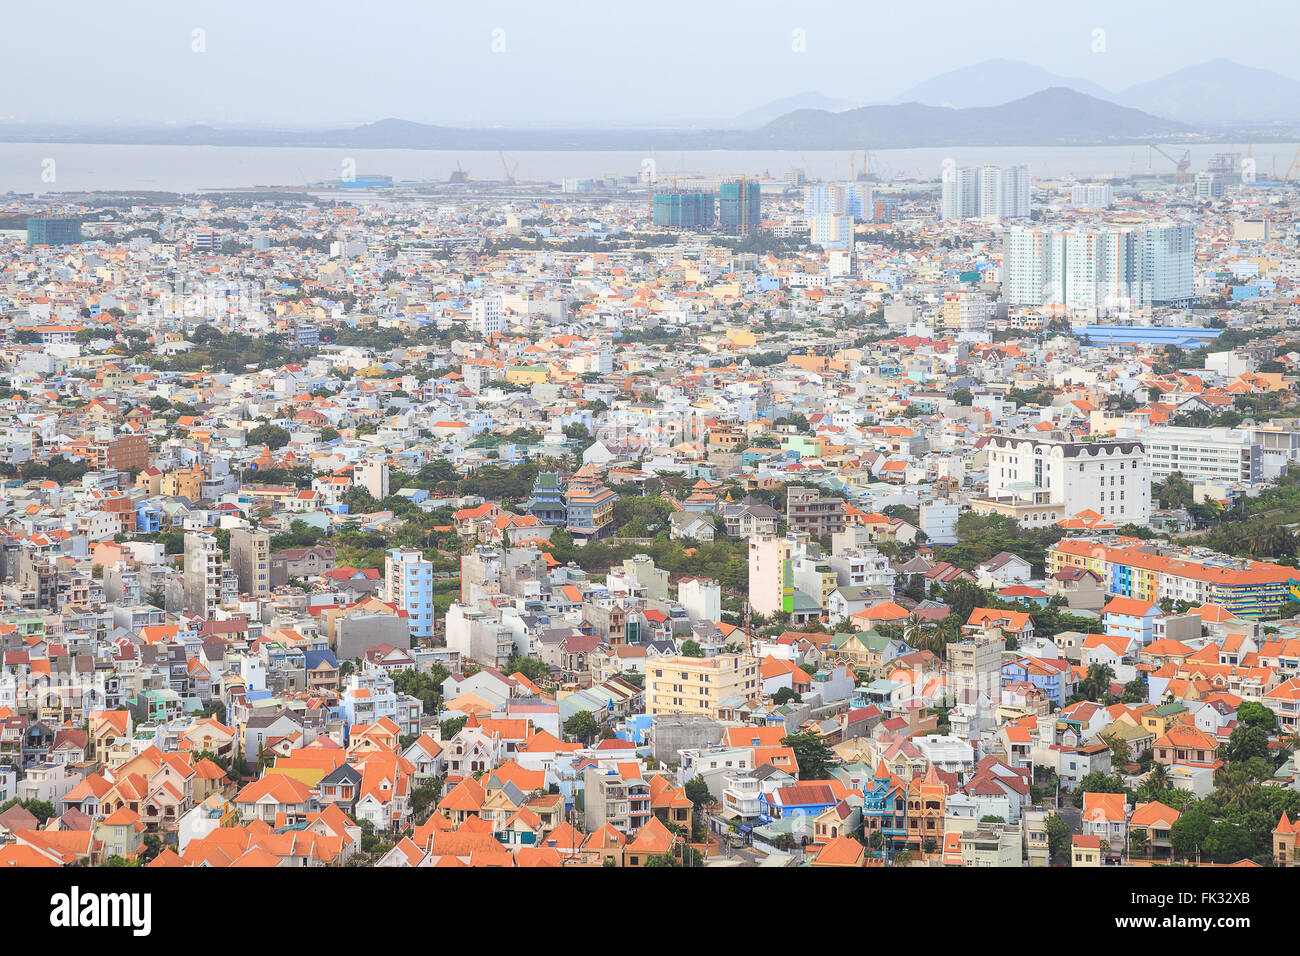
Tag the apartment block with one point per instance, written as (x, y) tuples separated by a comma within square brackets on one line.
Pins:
[(1203, 454), (250, 556), (807, 511), (699, 685)]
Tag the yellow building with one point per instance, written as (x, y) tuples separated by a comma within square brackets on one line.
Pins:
[(526, 374), (699, 685), (1085, 851), (183, 483)]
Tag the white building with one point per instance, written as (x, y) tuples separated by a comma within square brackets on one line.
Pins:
[(831, 231), (987, 191), (1203, 454), (771, 574), (967, 314), (1092, 195), (939, 521), (1101, 267), (486, 316), (1111, 478), (372, 474), (1229, 365), (701, 598), (1208, 185)]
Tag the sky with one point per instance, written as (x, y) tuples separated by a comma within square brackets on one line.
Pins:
[(581, 62)]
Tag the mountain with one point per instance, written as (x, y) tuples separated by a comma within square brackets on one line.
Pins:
[(1051, 117), (991, 83), (1218, 91), (762, 115)]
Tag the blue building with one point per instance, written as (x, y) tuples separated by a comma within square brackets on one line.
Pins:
[(408, 582), (884, 808), (53, 230), (740, 205), (797, 800), (1194, 337), (1047, 675), (305, 334), (149, 517), (547, 501)]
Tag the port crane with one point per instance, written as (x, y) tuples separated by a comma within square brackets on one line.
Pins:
[(1182, 164), (1293, 171), (510, 173)]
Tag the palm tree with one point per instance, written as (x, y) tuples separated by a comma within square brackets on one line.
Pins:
[(1235, 786), (911, 630), (1097, 684), (1159, 778)]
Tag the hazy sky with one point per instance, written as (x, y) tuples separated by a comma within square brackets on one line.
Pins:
[(331, 61)]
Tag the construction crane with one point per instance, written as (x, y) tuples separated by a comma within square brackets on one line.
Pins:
[(1294, 169), (871, 161), (1182, 164), (510, 173)]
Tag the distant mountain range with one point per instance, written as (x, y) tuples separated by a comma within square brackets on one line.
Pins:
[(1052, 117), (991, 83), (995, 103), (1217, 93), (762, 115)]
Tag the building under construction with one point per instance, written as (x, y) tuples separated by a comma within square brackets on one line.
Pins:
[(740, 205), (684, 208)]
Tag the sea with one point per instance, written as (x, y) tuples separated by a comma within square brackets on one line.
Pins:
[(41, 168)]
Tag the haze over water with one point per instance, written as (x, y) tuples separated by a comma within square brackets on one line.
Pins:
[(80, 167)]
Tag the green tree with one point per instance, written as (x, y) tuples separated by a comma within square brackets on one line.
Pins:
[(1174, 492), (1058, 837), (697, 791), (1135, 691), (534, 668), (582, 726), (1187, 834), (811, 753), (1244, 743), (425, 797), (1257, 715), (272, 436), (691, 649), (1096, 684), (1227, 842), (784, 695), (153, 845), (42, 810)]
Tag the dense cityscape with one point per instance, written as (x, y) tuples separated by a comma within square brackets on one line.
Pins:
[(617, 459), (736, 522)]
